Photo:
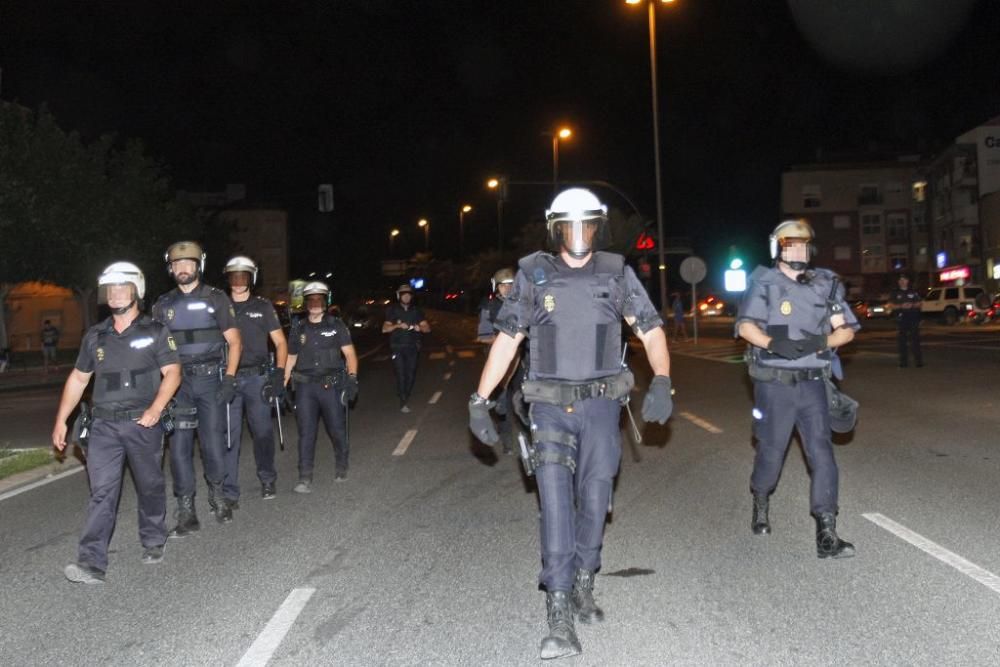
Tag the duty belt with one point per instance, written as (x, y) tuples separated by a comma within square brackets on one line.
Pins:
[(787, 375), (326, 379), (250, 371), (553, 392), (198, 370), (116, 415)]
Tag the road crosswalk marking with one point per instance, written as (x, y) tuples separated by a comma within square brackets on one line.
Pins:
[(404, 444), (434, 398)]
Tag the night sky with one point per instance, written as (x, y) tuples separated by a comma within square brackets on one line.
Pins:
[(408, 106)]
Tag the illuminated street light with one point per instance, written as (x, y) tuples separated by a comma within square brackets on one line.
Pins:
[(392, 237), (501, 188), (461, 227), (561, 133), (422, 222), (656, 144)]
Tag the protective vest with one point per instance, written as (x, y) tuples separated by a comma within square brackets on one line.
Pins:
[(319, 346), (126, 375), (794, 311), (576, 315), (191, 319)]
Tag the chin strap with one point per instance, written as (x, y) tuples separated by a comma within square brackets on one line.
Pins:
[(123, 310)]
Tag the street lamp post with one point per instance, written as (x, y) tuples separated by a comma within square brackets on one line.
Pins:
[(392, 237), (656, 147), (427, 230), (561, 133), (500, 186), (461, 228)]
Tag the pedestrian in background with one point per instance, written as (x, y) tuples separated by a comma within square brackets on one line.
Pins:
[(906, 309), (50, 342), (677, 308)]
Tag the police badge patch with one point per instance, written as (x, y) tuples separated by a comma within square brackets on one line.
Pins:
[(170, 313), (302, 339), (171, 344), (786, 307), (100, 354), (549, 303)]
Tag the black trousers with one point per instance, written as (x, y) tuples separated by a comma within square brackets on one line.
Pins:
[(909, 335), (314, 400), (404, 362)]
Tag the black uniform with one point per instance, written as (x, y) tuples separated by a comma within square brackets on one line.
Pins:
[(575, 386), (126, 369), (256, 319), (319, 377), (908, 323), (197, 321), (405, 347)]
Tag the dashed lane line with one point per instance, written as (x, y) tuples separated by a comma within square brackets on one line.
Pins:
[(434, 398), (41, 482), (698, 421), (451, 363), (447, 376), (404, 444), (274, 632), (969, 569)]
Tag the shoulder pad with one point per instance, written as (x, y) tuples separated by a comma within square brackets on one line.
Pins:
[(762, 274), (609, 262), (537, 266)]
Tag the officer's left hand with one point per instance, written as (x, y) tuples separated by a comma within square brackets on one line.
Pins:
[(812, 343), (658, 403), (149, 418), (350, 389), (480, 422), (227, 392)]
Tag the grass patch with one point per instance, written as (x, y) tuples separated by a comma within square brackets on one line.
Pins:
[(19, 460)]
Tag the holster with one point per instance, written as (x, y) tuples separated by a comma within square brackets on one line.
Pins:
[(553, 392), (80, 433)]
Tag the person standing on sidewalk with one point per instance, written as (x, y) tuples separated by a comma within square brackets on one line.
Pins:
[(405, 322), (137, 371), (906, 309), (257, 322), (203, 321), (50, 343), (319, 348), (677, 309)]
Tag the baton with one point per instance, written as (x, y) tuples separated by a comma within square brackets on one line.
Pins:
[(229, 437), (281, 434), (347, 418)]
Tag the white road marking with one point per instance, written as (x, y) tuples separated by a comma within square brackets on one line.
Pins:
[(451, 363), (41, 482), (698, 421), (269, 639), (436, 355), (447, 376), (466, 354), (969, 569), (450, 349), (405, 442), (434, 398)]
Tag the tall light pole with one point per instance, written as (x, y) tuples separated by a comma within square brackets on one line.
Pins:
[(500, 185), (422, 222), (561, 133), (461, 228), (392, 237), (656, 146)]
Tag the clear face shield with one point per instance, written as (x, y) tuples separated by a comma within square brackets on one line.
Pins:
[(239, 281), (119, 297), (316, 303), (577, 236), (796, 252)]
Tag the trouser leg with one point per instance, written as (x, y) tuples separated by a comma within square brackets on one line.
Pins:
[(813, 423), (901, 344), (918, 355), (557, 501), (144, 449), (261, 429), (399, 366), (336, 426), (231, 455), (598, 457), (105, 464), (774, 419), (412, 356), (182, 444), (307, 416), (211, 430)]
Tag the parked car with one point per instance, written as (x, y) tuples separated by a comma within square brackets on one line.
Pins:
[(873, 309), (954, 302)]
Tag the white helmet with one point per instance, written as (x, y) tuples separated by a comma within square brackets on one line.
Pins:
[(121, 273), (792, 231), (570, 213), (240, 263), (316, 287)]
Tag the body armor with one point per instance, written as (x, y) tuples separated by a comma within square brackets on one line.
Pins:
[(319, 346), (126, 374), (576, 317), (191, 319)]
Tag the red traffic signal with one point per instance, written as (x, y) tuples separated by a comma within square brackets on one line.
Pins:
[(645, 242)]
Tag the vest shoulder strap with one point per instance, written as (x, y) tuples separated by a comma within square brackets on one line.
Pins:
[(609, 262)]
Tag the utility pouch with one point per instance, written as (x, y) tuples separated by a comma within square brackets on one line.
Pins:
[(80, 433)]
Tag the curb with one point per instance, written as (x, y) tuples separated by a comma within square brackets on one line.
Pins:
[(21, 479)]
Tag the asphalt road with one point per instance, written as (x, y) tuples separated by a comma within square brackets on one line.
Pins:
[(428, 554)]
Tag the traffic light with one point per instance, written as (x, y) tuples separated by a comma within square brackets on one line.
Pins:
[(736, 276), (645, 242)]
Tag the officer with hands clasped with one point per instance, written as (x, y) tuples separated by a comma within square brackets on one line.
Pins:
[(794, 318), (318, 347), (203, 322), (137, 371), (570, 306), (906, 308), (258, 384), (405, 322)]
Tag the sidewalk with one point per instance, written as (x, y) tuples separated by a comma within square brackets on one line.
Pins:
[(33, 377)]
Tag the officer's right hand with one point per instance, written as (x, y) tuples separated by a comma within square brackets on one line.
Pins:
[(658, 403), (480, 422), (786, 348), (227, 392), (59, 436)]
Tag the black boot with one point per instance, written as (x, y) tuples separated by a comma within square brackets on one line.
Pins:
[(586, 609), (561, 642), (223, 510), (760, 523), (828, 544), (187, 520)]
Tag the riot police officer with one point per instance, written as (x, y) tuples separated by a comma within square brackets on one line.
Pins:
[(137, 371), (906, 308), (570, 306), (260, 386), (405, 322), (502, 282), (319, 345), (203, 322), (794, 318)]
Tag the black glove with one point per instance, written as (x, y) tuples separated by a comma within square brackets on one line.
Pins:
[(227, 391), (277, 380), (812, 343), (350, 390), (787, 348), (480, 422), (658, 402)]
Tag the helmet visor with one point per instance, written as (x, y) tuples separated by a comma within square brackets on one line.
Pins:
[(116, 294), (577, 236)]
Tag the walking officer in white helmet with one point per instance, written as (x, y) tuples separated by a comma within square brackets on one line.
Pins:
[(136, 370), (570, 306), (203, 322), (258, 382), (794, 317), (323, 364)]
